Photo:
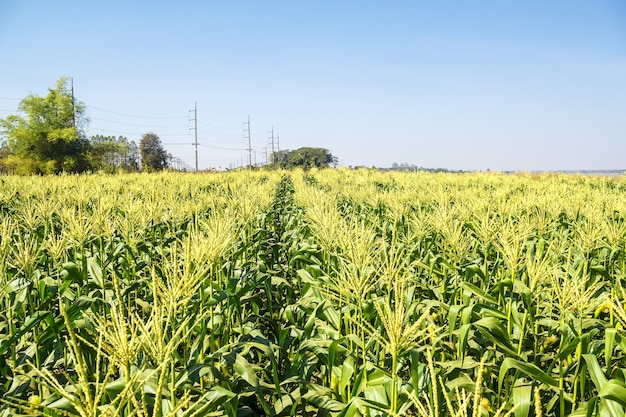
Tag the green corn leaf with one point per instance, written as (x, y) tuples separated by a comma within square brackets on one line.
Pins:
[(464, 331), (452, 315), (357, 386), (599, 269), (473, 289), (215, 397), (71, 273), (495, 331), (596, 372), (522, 397), (63, 404), (377, 394), (528, 369), (568, 348), (600, 381), (354, 407), (609, 343), (614, 390), (461, 382), (246, 371), (95, 271), (346, 370), (308, 327), (28, 325), (320, 396)]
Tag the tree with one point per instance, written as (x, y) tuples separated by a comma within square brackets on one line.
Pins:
[(4, 154), (132, 157), (304, 157), (109, 153), (49, 138), (280, 158), (153, 155)]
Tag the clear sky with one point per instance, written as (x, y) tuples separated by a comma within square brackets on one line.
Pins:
[(474, 85)]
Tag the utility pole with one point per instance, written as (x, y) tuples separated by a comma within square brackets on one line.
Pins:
[(195, 129), (277, 142), (247, 131), (272, 141)]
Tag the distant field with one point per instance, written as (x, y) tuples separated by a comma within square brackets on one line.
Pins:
[(335, 292)]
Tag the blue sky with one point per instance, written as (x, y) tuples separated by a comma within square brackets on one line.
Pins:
[(474, 85)]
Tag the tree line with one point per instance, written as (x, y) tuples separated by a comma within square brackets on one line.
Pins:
[(304, 157), (49, 138)]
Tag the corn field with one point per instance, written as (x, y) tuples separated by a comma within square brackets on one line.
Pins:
[(319, 293)]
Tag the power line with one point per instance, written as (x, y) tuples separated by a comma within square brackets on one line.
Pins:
[(227, 142), (134, 115), (219, 134), (215, 159), (114, 131), (218, 127), (132, 133), (134, 124), (222, 148)]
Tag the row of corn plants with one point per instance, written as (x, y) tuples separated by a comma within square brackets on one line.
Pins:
[(474, 294), (331, 292), (121, 294)]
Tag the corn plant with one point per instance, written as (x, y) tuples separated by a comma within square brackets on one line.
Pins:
[(330, 292)]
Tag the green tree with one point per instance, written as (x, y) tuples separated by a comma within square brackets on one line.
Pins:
[(132, 157), (49, 138), (280, 158), (153, 155), (304, 157), (4, 156), (109, 153)]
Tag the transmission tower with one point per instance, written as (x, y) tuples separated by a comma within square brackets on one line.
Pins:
[(246, 133), (195, 129)]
